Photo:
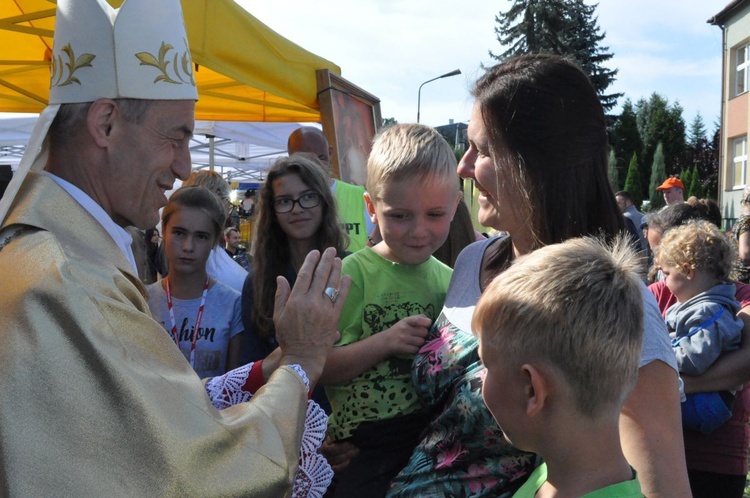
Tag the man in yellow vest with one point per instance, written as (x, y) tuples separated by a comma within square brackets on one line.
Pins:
[(349, 198)]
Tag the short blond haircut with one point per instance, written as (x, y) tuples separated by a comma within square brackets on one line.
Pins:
[(699, 245), (405, 151), (212, 181), (577, 306)]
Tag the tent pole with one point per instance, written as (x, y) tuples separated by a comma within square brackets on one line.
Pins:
[(210, 152)]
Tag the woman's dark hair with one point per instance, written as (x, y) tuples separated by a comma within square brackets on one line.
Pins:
[(149, 234), (271, 253), (547, 135), (461, 234), (676, 215)]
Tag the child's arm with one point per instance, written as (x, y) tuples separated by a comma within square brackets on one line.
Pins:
[(346, 362), (730, 370), (704, 336)]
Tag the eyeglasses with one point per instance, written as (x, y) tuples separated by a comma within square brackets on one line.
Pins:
[(305, 201)]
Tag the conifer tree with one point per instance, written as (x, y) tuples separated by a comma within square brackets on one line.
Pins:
[(686, 176), (696, 187), (564, 27), (625, 138), (614, 175), (658, 175), (633, 181)]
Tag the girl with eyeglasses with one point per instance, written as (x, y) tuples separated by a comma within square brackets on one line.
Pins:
[(295, 214)]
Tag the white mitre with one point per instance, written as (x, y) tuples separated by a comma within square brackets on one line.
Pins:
[(138, 51)]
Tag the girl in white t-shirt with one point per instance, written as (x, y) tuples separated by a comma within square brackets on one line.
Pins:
[(203, 316)]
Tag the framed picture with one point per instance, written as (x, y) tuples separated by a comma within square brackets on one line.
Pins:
[(350, 118)]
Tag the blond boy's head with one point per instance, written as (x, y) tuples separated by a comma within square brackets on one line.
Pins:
[(405, 151), (573, 310), (412, 192), (697, 245)]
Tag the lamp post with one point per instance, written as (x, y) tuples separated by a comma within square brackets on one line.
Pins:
[(419, 93)]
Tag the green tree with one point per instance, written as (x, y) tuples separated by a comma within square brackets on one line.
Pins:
[(658, 175), (697, 132), (389, 122), (614, 175), (696, 186), (661, 122), (564, 27), (704, 154), (625, 138), (686, 175), (633, 181)]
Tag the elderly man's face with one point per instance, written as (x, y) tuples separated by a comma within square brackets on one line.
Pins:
[(145, 160)]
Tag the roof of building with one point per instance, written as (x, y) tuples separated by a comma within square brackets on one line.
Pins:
[(727, 12)]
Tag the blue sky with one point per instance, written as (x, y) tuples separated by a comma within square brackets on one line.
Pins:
[(390, 47)]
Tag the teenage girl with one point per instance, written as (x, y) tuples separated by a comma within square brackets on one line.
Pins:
[(202, 315), (296, 213)]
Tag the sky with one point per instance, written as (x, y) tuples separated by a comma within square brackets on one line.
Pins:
[(390, 47)]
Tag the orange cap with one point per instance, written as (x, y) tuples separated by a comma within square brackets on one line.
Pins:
[(670, 182)]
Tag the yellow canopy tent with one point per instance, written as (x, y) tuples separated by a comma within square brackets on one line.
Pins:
[(244, 70)]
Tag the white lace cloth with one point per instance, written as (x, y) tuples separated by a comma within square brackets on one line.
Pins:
[(314, 474)]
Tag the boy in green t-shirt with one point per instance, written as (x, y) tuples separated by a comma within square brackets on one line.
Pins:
[(560, 336), (397, 291)]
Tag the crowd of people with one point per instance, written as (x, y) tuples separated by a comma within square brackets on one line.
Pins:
[(339, 356)]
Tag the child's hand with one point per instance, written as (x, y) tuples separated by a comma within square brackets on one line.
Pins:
[(407, 335)]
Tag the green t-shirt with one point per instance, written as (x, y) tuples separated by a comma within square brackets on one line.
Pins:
[(627, 489), (382, 293)]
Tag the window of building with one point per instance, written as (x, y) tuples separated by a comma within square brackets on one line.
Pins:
[(742, 58), (739, 169)]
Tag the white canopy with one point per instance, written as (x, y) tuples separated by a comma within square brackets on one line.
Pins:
[(240, 151)]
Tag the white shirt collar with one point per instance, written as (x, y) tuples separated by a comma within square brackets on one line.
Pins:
[(121, 236)]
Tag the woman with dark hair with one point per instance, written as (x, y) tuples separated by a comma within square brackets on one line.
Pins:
[(716, 462), (538, 157), (295, 214)]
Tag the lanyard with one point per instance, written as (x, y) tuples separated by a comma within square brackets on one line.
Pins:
[(175, 335), (695, 330)]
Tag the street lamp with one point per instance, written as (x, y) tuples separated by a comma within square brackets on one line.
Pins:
[(419, 93)]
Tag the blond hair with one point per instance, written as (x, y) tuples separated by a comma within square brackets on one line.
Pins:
[(698, 245), (577, 306), (212, 181), (405, 151)]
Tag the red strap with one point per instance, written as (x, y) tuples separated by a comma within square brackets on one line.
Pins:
[(255, 380)]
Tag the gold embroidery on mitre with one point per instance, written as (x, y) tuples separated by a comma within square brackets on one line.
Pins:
[(162, 64), (59, 68)]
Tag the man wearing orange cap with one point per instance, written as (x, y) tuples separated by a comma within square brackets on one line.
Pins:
[(672, 188)]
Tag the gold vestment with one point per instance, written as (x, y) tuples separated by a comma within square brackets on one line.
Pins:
[(95, 400)]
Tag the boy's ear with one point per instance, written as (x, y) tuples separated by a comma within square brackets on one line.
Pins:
[(371, 208), (536, 389), (688, 271)]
